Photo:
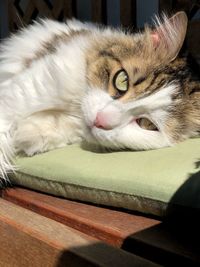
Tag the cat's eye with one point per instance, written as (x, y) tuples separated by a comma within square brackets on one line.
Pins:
[(146, 124), (120, 81)]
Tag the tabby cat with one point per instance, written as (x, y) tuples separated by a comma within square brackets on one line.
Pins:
[(62, 83)]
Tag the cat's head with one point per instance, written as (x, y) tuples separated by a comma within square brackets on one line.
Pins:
[(130, 92)]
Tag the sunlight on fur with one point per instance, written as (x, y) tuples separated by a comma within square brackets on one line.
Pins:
[(61, 83)]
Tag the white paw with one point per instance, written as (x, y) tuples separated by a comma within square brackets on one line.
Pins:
[(30, 140)]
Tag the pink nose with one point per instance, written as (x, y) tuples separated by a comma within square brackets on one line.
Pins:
[(101, 121)]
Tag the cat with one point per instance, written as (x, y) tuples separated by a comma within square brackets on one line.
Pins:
[(61, 83)]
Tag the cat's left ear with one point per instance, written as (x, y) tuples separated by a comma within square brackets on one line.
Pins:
[(168, 36)]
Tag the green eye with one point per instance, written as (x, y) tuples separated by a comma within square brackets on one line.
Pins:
[(120, 81)]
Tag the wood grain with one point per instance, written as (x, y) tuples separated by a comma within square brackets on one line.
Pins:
[(99, 11), (146, 237), (28, 239), (107, 225), (128, 13)]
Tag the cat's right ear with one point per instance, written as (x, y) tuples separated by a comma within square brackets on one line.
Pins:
[(169, 35)]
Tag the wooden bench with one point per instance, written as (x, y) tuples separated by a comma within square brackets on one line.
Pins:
[(42, 230)]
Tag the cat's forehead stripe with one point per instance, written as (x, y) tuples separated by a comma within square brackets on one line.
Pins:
[(135, 70), (106, 53)]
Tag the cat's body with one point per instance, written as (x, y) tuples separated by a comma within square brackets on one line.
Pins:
[(63, 83)]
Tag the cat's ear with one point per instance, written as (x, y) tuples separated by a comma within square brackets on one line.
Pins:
[(168, 36)]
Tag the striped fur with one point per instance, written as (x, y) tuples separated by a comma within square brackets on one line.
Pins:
[(58, 86)]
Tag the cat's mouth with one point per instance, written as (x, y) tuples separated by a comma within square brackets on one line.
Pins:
[(146, 124)]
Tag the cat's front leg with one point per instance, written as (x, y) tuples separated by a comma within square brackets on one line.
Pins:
[(46, 130)]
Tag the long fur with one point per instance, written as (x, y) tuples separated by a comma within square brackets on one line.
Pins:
[(50, 96)]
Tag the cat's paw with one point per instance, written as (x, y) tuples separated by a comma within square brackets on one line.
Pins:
[(44, 131), (30, 140)]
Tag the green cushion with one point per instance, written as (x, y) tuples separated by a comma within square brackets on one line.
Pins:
[(145, 181)]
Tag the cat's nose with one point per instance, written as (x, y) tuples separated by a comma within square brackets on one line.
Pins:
[(107, 119), (102, 122)]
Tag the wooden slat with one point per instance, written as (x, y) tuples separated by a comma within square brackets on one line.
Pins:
[(28, 239), (61, 9), (14, 17), (58, 6), (147, 237), (43, 8), (193, 34), (165, 6), (99, 11), (28, 13), (128, 13), (108, 225), (69, 8), (4, 27)]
